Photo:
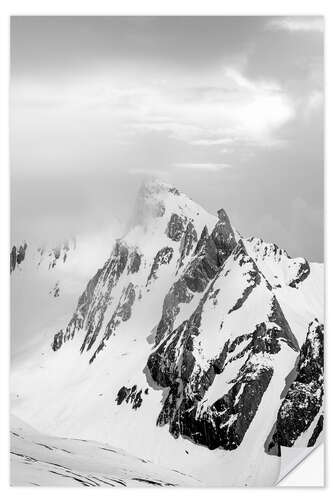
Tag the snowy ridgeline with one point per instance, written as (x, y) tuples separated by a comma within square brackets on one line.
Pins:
[(192, 347)]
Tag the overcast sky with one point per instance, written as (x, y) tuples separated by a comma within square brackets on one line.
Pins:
[(228, 109)]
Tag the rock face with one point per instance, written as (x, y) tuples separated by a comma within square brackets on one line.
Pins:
[(181, 362), (95, 299), (17, 255), (134, 261), (122, 313), (210, 253), (303, 272), (162, 257), (303, 399), (52, 255), (317, 431), (56, 254), (175, 227), (189, 239), (132, 396), (191, 327)]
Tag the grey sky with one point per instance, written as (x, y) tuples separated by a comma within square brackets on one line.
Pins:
[(230, 110)]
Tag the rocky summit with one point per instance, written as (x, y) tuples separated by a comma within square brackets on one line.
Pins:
[(192, 346)]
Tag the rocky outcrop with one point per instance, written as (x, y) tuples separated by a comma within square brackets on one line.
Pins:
[(223, 424), (254, 277), (134, 261), (303, 395), (17, 255), (188, 240), (58, 340), (317, 431), (132, 396), (277, 266), (55, 292), (57, 254), (178, 294), (223, 236), (13, 259), (92, 304), (122, 313), (162, 257), (303, 272), (176, 227), (175, 365), (209, 255)]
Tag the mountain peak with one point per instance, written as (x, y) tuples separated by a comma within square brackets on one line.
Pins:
[(157, 202), (153, 185), (184, 305)]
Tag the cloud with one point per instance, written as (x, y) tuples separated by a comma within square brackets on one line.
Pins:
[(94, 106), (147, 172), (203, 166), (298, 24), (213, 142), (233, 108)]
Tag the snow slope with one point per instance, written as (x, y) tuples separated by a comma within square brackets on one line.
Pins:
[(41, 460)]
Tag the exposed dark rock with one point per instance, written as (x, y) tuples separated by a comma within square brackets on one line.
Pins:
[(296, 270), (199, 272), (302, 274), (130, 395), (122, 313), (54, 255), (91, 307), (223, 237), (137, 400), (17, 255), (57, 340), (122, 394), (134, 261), (55, 290), (304, 395), (162, 257), (211, 253), (21, 253), (202, 240), (187, 243), (176, 227), (178, 294), (254, 276), (58, 253), (203, 268), (317, 431), (285, 334), (173, 365), (224, 424), (174, 191), (13, 259)]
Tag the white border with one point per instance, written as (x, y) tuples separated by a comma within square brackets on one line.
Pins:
[(137, 7)]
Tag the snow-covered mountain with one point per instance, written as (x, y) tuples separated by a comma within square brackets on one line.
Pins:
[(46, 282), (192, 347)]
